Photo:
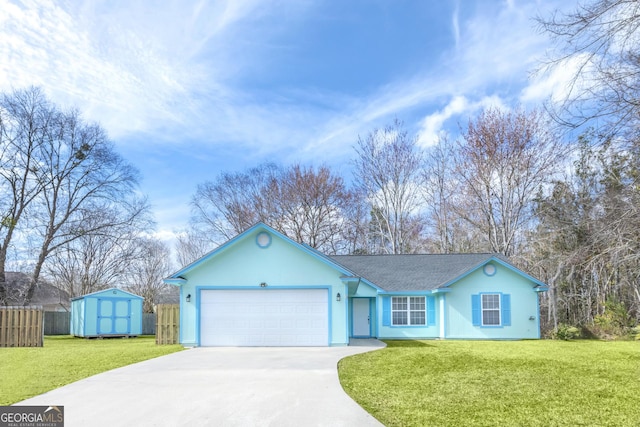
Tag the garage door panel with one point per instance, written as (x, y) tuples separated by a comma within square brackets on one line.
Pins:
[(282, 317)]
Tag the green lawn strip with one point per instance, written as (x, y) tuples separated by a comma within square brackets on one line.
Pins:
[(27, 372), (503, 383)]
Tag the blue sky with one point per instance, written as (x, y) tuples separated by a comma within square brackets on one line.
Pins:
[(187, 89)]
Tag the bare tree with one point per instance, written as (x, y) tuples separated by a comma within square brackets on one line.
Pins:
[(60, 181), (90, 265), (504, 159), (83, 176), (234, 202), (599, 40), (387, 169), (145, 274), (312, 203), (354, 224), (307, 204), (191, 245), (101, 259), (25, 121), (448, 231)]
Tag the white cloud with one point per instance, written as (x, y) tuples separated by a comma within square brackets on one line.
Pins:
[(432, 124), (131, 69), (554, 82), (495, 47), (458, 109), (76, 70), (455, 24)]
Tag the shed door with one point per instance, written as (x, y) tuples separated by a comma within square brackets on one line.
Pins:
[(273, 317), (114, 316)]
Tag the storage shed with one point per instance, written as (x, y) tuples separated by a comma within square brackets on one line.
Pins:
[(112, 312)]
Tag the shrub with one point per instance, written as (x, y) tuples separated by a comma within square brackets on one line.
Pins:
[(566, 332), (614, 322), (635, 332)]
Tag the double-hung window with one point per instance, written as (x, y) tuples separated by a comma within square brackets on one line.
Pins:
[(408, 311), (490, 309)]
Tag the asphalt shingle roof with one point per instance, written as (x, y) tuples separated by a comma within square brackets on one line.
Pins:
[(412, 272)]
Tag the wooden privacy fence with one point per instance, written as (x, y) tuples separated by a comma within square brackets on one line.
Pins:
[(167, 323), (21, 327)]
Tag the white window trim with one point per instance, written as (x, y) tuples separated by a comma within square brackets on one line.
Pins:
[(408, 311), (498, 309)]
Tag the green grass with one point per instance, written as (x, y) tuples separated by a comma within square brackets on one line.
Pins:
[(503, 383), (27, 372)]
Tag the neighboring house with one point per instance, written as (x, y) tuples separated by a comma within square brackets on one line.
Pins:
[(170, 295), (45, 295), (263, 289)]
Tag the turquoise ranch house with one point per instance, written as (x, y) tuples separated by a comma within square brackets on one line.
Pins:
[(111, 312), (263, 289)]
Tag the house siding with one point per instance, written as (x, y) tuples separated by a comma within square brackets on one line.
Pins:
[(245, 265), (409, 332), (77, 318), (523, 302)]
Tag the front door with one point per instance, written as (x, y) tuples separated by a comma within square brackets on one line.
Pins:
[(361, 317)]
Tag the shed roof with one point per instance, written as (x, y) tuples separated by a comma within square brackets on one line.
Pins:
[(416, 272), (105, 291)]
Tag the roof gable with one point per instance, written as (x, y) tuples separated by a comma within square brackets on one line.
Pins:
[(498, 259), (178, 278), (111, 292)]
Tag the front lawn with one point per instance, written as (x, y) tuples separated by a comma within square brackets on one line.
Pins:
[(498, 383), (27, 372)]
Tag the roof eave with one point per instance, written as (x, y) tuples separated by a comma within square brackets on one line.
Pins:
[(176, 281), (441, 291), (416, 292), (503, 263)]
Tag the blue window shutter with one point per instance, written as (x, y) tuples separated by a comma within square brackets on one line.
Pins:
[(431, 311), (386, 311), (506, 309), (475, 309)]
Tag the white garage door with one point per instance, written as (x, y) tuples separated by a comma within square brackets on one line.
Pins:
[(270, 317)]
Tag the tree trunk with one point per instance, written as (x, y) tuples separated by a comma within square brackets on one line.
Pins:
[(33, 283)]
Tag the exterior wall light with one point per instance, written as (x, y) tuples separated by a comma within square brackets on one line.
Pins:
[(188, 297), (263, 285), (338, 296)]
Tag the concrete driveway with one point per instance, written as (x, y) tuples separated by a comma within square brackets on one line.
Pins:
[(217, 387)]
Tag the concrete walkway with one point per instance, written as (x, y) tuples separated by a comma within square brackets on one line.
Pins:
[(218, 387)]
